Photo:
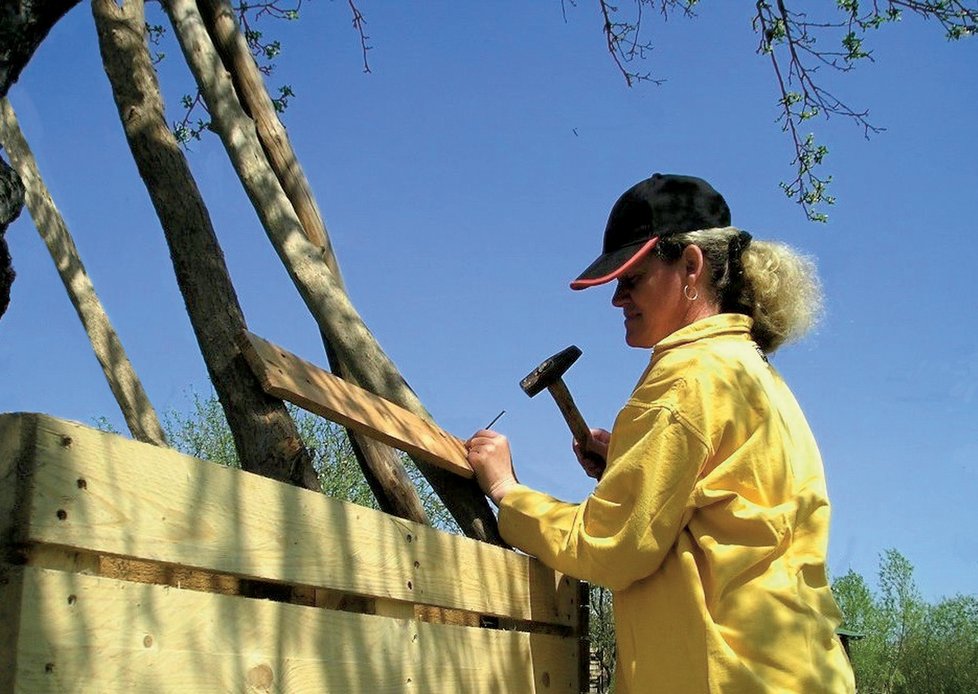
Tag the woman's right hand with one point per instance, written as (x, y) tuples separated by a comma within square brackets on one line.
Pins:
[(594, 457)]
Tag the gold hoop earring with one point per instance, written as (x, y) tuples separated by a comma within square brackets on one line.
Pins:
[(696, 293)]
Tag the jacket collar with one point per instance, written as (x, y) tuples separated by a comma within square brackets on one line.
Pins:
[(720, 325)]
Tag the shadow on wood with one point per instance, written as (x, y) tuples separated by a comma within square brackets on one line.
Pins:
[(125, 567)]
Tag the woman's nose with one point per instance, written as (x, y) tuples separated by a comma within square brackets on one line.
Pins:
[(618, 298)]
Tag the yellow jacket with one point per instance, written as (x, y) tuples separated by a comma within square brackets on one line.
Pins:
[(710, 525)]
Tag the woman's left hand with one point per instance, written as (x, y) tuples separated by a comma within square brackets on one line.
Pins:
[(488, 454)]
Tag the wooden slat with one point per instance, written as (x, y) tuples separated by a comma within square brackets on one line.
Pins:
[(15, 441), (11, 599), (291, 378), (102, 493), (85, 633)]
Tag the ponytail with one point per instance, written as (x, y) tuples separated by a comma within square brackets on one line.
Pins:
[(768, 281)]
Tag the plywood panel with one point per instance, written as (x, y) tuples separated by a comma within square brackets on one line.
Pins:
[(15, 440), (11, 591), (86, 633), (109, 495)]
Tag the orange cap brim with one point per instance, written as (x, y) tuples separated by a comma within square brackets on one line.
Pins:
[(583, 282)]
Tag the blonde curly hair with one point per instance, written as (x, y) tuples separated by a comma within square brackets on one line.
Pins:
[(774, 284)]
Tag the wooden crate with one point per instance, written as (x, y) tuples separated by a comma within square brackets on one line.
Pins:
[(130, 568)]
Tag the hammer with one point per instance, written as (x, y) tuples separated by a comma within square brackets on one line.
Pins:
[(549, 375)]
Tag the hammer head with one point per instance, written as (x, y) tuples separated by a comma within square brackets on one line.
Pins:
[(550, 371)]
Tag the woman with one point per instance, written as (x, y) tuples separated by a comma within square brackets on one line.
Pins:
[(710, 518)]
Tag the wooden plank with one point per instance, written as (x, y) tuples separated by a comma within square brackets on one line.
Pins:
[(302, 383), (16, 440), (105, 494), (394, 608), (86, 633), (16, 437), (11, 599), (62, 559)]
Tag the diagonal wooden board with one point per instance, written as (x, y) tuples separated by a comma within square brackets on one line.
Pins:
[(302, 383)]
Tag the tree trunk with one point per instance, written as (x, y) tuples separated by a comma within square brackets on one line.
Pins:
[(318, 286), (249, 85), (11, 203), (125, 385), (381, 464), (23, 25), (265, 436)]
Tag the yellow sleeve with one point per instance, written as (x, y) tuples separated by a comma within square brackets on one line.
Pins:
[(623, 530)]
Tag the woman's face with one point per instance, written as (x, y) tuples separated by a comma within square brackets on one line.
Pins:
[(651, 297)]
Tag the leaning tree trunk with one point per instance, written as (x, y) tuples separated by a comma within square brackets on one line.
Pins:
[(23, 25), (318, 286), (381, 464), (265, 436), (125, 385)]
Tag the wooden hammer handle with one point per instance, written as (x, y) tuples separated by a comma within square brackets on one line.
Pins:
[(571, 414)]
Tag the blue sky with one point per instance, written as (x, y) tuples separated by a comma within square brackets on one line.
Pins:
[(467, 179)]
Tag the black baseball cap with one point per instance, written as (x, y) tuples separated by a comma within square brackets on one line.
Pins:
[(659, 206)]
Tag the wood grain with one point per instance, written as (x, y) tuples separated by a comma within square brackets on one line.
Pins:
[(302, 383), (89, 633), (101, 493)]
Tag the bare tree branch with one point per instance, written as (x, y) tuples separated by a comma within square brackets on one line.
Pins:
[(798, 43), (358, 24)]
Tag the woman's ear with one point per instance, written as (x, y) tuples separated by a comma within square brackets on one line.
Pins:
[(694, 262)]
